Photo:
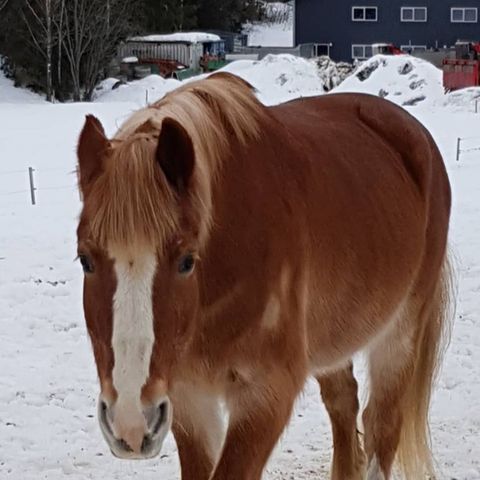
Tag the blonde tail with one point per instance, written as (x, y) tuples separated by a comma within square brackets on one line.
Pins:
[(414, 454)]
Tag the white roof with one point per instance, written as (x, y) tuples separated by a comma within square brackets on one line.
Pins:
[(130, 60), (190, 37)]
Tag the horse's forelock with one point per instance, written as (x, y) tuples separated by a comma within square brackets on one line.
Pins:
[(131, 203)]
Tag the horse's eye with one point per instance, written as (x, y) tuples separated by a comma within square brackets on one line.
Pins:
[(86, 264), (186, 265)]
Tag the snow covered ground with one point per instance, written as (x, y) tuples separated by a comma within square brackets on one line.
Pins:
[(48, 387), (278, 32)]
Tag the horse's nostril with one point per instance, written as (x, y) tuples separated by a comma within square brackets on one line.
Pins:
[(103, 406), (146, 444), (162, 417), (125, 446)]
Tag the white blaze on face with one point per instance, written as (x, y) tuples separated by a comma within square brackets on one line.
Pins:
[(133, 335)]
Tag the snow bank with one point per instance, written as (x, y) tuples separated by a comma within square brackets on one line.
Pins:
[(332, 73), (190, 37), (279, 78), (140, 92), (402, 79), (465, 100), (11, 94)]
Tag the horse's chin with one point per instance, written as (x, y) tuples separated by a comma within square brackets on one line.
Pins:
[(125, 455)]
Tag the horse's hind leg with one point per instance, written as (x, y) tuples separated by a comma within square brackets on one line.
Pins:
[(391, 363), (339, 393)]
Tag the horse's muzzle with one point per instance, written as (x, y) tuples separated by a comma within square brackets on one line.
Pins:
[(134, 434)]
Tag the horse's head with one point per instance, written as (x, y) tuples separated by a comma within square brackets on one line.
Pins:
[(138, 241)]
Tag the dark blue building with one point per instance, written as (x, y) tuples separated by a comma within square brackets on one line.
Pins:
[(347, 29)]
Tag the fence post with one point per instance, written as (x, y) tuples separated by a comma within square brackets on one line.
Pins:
[(476, 106), (146, 97), (77, 172), (458, 149), (32, 185)]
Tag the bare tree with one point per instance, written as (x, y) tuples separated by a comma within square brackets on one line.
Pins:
[(60, 33), (93, 29), (39, 19)]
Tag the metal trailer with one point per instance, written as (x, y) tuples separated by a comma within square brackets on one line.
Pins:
[(188, 54), (178, 58)]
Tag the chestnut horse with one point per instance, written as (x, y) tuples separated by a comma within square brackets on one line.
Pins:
[(231, 250)]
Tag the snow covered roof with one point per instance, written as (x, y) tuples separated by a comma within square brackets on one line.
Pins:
[(188, 37), (130, 60)]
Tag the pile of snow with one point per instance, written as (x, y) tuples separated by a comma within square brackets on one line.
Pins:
[(140, 92), (465, 100), (402, 79), (332, 73), (279, 78), (187, 37), (10, 94), (278, 32)]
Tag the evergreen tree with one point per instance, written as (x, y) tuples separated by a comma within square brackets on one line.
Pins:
[(227, 14), (164, 16)]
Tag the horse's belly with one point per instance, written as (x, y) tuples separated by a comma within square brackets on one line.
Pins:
[(336, 330)]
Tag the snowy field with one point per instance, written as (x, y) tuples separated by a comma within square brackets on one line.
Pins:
[(48, 387), (278, 32)]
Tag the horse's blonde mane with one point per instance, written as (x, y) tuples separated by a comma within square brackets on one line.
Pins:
[(133, 202), (215, 112)]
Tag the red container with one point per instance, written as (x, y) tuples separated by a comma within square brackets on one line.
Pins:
[(460, 73)]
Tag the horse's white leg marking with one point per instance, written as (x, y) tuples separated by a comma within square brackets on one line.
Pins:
[(132, 341), (374, 471)]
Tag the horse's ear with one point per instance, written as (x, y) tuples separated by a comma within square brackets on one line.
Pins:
[(176, 155), (91, 147)]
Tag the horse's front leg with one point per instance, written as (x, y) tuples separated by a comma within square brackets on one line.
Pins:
[(198, 430), (258, 416)]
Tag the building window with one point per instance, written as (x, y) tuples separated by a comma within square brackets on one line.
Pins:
[(413, 48), (322, 49), (464, 15), (361, 52), (364, 14), (413, 14)]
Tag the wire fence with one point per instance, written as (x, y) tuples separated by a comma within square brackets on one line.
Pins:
[(467, 145), (33, 183)]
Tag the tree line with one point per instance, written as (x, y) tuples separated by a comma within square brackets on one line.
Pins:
[(63, 47)]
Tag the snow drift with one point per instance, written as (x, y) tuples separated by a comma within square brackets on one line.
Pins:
[(402, 79)]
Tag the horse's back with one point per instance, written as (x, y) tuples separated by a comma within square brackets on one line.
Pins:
[(338, 119), (376, 200)]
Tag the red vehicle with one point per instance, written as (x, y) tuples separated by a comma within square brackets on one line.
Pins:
[(386, 49), (464, 70)]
